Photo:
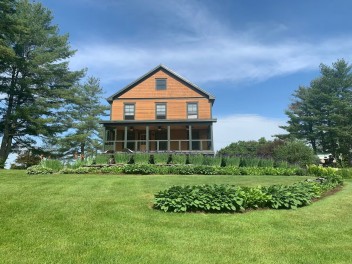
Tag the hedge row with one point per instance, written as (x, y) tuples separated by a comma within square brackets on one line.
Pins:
[(230, 198), (146, 169)]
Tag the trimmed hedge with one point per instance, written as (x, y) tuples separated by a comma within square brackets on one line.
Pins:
[(230, 198), (145, 169)]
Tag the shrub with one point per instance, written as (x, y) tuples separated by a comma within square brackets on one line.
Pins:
[(209, 198), (161, 158), (230, 198), (139, 169), (182, 169), (345, 173), (295, 152), (39, 169), (320, 171), (111, 170), (141, 158), (53, 164)]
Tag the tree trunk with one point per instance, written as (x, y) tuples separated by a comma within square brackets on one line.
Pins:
[(82, 151), (6, 142)]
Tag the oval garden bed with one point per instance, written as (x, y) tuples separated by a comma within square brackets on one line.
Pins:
[(231, 198)]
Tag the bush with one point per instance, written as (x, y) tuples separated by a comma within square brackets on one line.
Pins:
[(53, 164), (39, 169), (295, 152), (345, 173), (230, 198), (143, 169)]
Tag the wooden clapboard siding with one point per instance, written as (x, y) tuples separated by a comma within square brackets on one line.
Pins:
[(176, 108), (146, 89)]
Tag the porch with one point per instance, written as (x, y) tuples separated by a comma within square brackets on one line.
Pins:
[(159, 137)]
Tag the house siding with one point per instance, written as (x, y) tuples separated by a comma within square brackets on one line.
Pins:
[(176, 108)]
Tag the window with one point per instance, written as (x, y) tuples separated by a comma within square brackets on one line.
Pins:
[(160, 111), (192, 110), (129, 111), (160, 84)]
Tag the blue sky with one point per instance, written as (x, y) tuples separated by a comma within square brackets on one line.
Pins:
[(250, 54)]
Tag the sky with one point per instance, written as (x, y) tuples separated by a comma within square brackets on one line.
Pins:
[(251, 55)]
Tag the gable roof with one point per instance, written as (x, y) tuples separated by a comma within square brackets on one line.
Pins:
[(150, 73)]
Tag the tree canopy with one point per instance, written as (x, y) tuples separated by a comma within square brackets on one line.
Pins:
[(35, 80), (321, 114), (83, 134)]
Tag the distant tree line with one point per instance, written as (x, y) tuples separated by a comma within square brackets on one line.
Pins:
[(291, 151)]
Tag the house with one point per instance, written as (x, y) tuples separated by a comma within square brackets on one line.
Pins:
[(160, 112)]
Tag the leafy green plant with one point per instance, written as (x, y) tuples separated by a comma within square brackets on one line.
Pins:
[(160, 158), (39, 169), (139, 169), (141, 158), (230, 198), (53, 164)]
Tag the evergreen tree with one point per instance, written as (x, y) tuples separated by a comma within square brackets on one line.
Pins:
[(321, 114), (35, 79), (83, 133)]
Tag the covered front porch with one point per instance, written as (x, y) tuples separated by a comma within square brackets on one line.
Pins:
[(184, 137)]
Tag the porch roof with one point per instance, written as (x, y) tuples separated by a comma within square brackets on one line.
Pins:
[(157, 122)]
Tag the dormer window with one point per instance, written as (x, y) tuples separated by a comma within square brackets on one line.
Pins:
[(160, 84)]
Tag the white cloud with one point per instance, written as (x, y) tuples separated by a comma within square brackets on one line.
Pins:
[(210, 60), (204, 49), (245, 127)]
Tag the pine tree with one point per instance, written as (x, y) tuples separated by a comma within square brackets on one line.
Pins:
[(35, 79), (321, 114), (83, 133)]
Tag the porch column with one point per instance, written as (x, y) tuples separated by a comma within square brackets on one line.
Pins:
[(147, 138), (104, 138), (125, 139), (168, 138), (211, 137), (190, 136)]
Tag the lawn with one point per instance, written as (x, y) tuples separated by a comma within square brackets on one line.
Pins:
[(108, 219)]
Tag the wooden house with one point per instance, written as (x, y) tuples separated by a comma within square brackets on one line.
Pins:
[(160, 112)]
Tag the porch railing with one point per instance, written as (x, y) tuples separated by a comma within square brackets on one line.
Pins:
[(159, 145)]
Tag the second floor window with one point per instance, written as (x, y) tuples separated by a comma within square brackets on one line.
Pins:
[(160, 111), (192, 110), (160, 84), (129, 111)]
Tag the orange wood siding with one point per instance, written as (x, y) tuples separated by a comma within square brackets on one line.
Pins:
[(144, 95), (146, 89), (176, 109)]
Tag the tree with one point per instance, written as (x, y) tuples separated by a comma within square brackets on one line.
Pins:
[(35, 79), (82, 121), (260, 148), (321, 114), (295, 152), (26, 159)]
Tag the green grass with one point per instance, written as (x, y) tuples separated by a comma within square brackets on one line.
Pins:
[(108, 219)]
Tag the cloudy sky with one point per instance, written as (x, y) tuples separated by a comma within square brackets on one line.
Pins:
[(250, 54)]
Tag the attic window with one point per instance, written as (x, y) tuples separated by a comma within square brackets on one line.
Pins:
[(160, 84)]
